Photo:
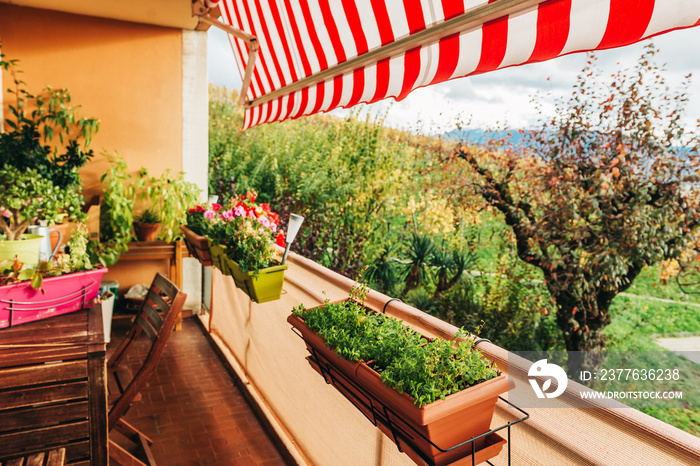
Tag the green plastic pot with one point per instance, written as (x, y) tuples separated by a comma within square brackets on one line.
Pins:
[(261, 286), (25, 249)]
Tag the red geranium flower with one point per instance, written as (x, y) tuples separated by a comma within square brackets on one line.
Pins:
[(281, 242)]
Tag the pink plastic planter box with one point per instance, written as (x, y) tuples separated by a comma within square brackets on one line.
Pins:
[(20, 303)]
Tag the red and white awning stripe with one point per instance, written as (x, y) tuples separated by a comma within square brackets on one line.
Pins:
[(317, 55)]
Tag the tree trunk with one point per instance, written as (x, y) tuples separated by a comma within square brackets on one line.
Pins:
[(582, 320)]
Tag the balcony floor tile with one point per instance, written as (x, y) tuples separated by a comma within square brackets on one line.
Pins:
[(192, 409)]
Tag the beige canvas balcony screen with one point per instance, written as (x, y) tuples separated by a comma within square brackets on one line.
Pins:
[(317, 55)]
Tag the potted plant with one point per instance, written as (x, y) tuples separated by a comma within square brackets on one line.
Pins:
[(241, 245), (29, 146), (24, 197), (67, 284), (433, 392), (147, 225), (166, 199)]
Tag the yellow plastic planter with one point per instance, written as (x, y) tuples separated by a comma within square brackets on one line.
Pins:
[(266, 286), (26, 249)]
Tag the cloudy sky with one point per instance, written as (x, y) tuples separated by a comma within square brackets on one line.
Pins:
[(504, 97)]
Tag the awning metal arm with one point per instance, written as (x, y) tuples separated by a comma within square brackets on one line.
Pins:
[(201, 10)]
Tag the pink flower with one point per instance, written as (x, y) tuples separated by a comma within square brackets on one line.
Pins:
[(264, 221), (7, 213), (239, 211), (227, 215), (210, 214), (273, 227), (216, 207), (251, 213)]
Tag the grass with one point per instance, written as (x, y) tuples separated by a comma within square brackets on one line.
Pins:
[(635, 321), (649, 283)]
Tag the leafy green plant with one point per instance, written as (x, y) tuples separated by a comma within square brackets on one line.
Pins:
[(427, 370), (25, 197), (167, 199), (116, 213), (38, 120)]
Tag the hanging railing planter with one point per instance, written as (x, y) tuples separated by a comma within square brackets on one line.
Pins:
[(438, 433), (261, 286), (21, 303), (197, 246)]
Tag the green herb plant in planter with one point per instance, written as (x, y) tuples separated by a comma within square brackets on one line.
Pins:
[(439, 392)]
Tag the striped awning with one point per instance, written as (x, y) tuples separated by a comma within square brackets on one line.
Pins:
[(317, 55)]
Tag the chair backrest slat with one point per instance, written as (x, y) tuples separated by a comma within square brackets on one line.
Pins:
[(158, 329), (159, 301), (154, 318), (147, 327)]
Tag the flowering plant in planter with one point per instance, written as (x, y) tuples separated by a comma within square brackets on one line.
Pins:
[(245, 228)]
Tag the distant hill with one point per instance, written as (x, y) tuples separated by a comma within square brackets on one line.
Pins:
[(479, 136)]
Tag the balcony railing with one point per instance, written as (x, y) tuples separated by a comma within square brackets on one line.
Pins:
[(319, 426)]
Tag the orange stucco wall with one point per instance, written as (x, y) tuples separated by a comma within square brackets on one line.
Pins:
[(126, 74)]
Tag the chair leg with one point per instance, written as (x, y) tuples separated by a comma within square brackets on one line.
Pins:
[(139, 455), (129, 431), (123, 457)]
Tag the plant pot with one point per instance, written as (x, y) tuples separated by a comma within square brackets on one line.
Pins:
[(198, 246), (443, 423), (20, 303), (26, 249), (146, 231), (66, 230), (261, 286)]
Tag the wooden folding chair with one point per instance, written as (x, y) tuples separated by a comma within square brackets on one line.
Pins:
[(156, 318)]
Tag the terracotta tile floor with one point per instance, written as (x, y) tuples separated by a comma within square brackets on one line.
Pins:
[(192, 409)]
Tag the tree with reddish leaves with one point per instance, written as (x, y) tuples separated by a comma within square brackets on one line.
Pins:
[(601, 190)]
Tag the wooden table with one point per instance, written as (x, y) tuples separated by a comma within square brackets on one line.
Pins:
[(159, 250), (52, 387)]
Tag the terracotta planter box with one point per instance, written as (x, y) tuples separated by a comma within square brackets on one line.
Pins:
[(266, 286), (20, 303), (443, 423), (198, 246)]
